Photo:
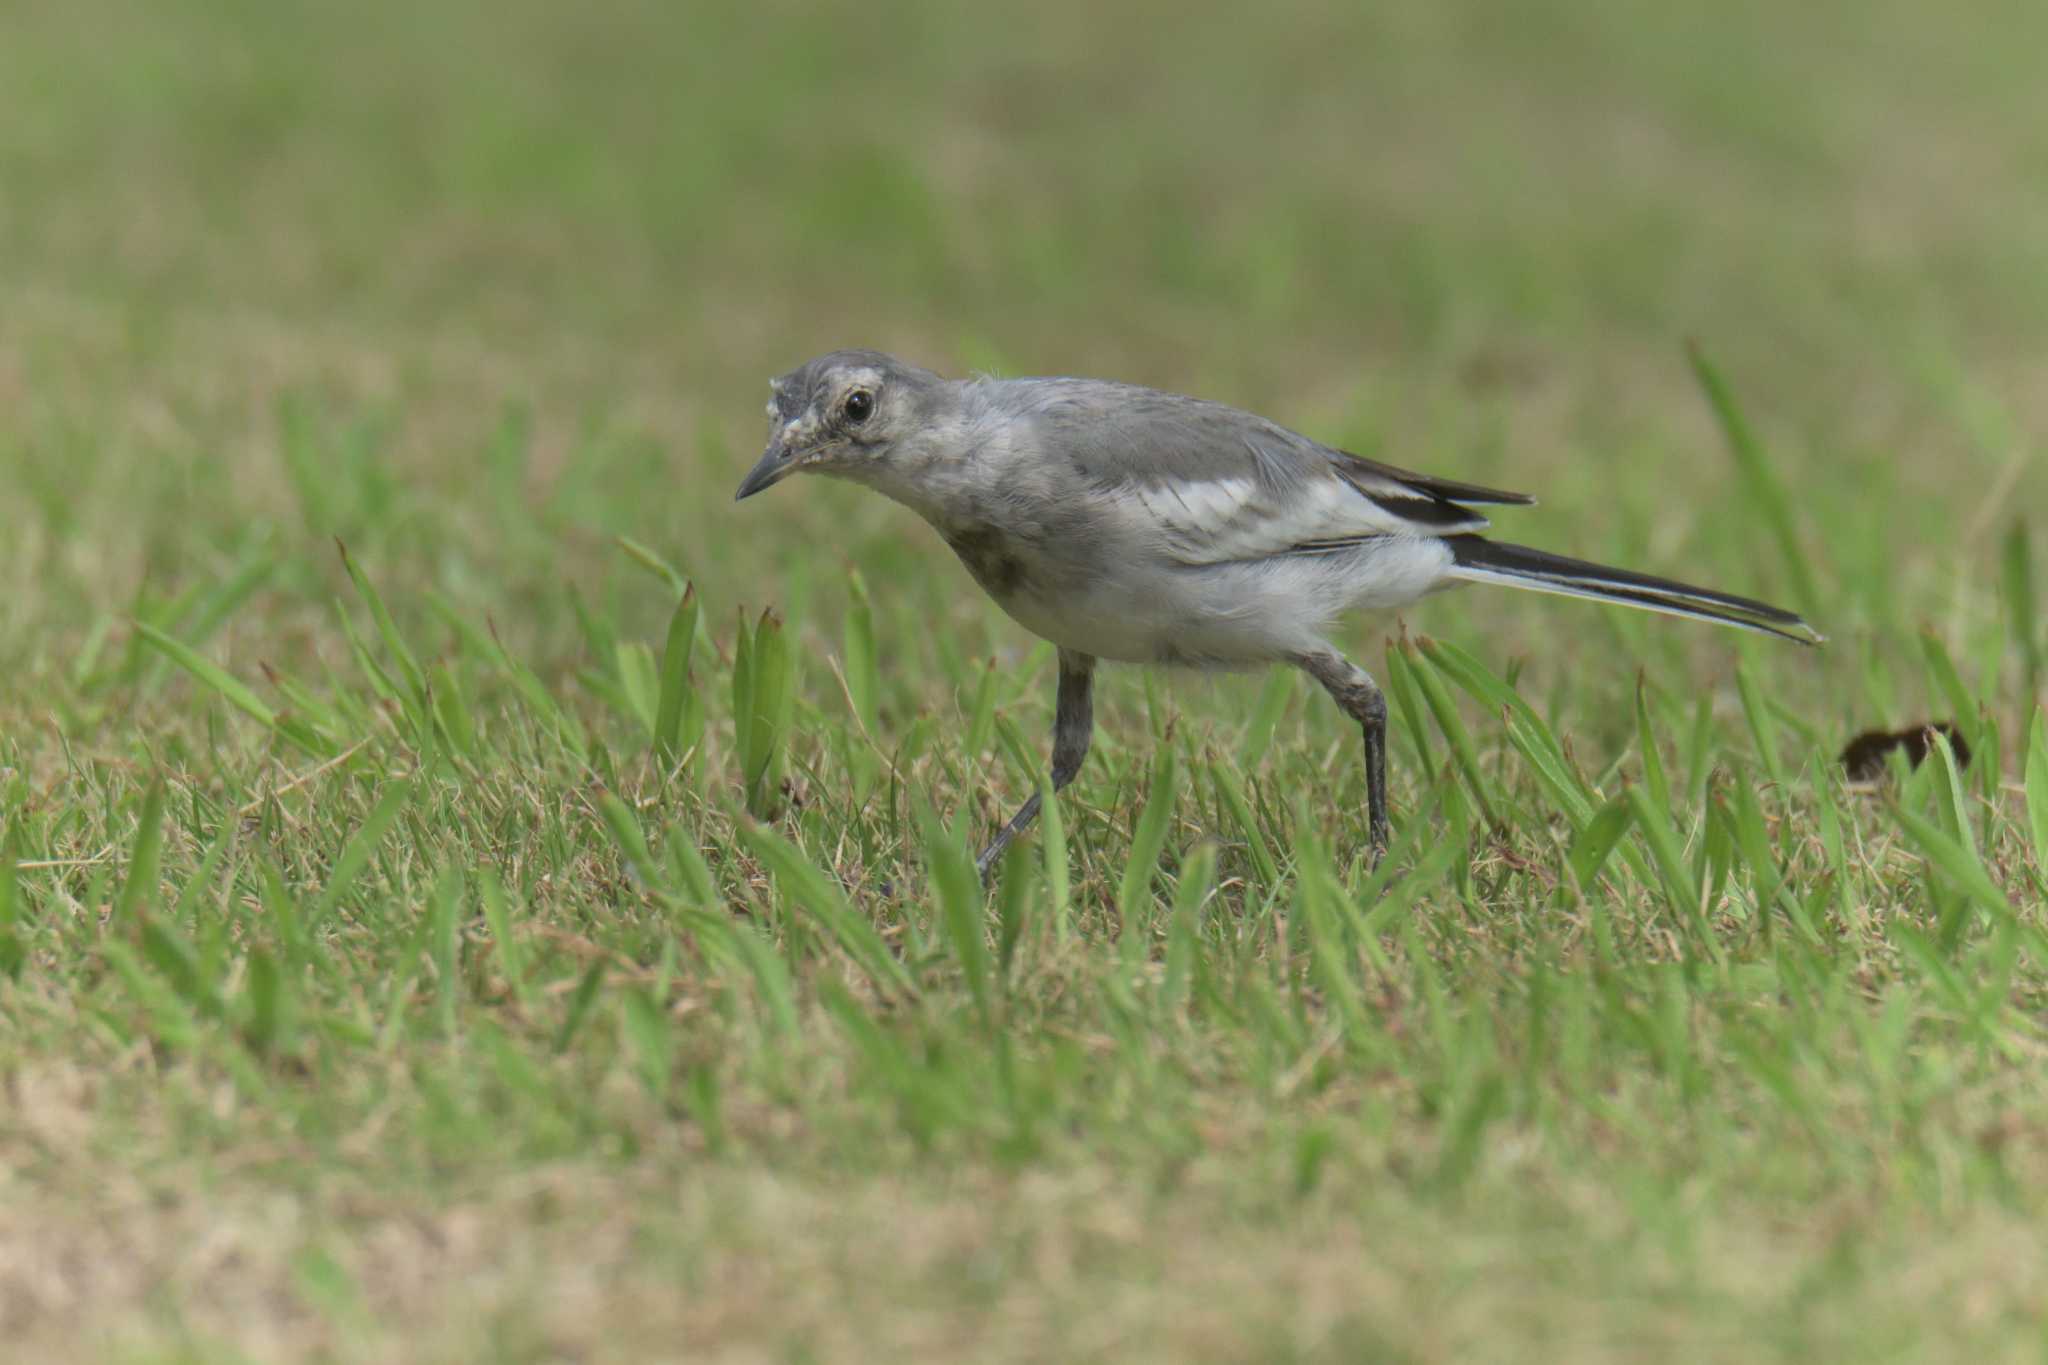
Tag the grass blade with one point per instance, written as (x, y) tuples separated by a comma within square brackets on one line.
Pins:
[(268, 1026), (2023, 615), (138, 889), (2037, 790), (1646, 741), (580, 1001), (1463, 752), (763, 695), (1148, 839), (1052, 833), (675, 677), (1326, 913), (230, 688), (801, 884), (1231, 789), (498, 917), (13, 952), (361, 846), (958, 889), (167, 950), (1272, 704), (1955, 860), (1596, 842), (1762, 727), (1184, 930), (1526, 730), (1954, 808), (652, 562), (647, 1035), (387, 629), (1961, 704), (1668, 854), (444, 943), (1767, 491), (863, 660)]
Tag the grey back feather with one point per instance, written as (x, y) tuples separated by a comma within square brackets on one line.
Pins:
[(1123, 436)]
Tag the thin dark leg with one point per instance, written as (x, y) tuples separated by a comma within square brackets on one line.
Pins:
[(1360, 698), (1072, 726)]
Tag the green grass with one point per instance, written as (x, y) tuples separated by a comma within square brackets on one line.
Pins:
[(544, 928)]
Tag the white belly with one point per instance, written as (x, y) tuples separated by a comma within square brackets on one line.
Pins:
[(1230, 615)]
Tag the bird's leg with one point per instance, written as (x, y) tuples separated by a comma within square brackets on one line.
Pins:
[(1361, 699), (1072, 726)]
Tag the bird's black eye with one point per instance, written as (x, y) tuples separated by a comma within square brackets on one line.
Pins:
[(860, 405)]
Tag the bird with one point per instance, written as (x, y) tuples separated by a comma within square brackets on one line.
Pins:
[(1130, 525)]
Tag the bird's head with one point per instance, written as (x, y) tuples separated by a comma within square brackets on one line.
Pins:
[(850, 413)]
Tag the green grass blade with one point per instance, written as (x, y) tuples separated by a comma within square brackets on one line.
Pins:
[(1767, 492), (1326, 912), (1052, 833), (769, 972), (1148, 840), (1464, 753), (13, 950), (649, 560), (1962, 704), (1231, 789), (2037, 790), (2023, 614), (167, 950), (1016, 897), (444, 941), (452, 713), (675, 677), (1272, 704), (498, 918), (1954, 796), (230, 688), (139, 887), (646, 1030), (863, 659), (267, 1026), (981, 716), (211, 611), (1596, 842), (632, 843), (1956, 860), (1763, 728), (958, 889), (639, 685), (1407, 702), (361, 847), (387, 628), (1667, 853), (1184, 930), (802, 885), (763, 695), (577, 1011), (1646, 741), (1526, 731)]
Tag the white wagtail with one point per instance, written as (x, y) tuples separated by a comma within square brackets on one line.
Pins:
[(1127, 524)]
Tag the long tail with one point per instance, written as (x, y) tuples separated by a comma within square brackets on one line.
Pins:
[(1488, 561)]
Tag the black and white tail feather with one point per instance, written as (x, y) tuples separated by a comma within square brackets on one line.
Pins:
[(1479, 560), (1445, 508)]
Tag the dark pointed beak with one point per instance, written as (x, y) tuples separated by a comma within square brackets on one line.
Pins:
[(777, 462)]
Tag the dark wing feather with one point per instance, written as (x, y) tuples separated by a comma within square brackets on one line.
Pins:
[(1431, 487)]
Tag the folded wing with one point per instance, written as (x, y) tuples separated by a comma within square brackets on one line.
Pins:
[(1213, 484)]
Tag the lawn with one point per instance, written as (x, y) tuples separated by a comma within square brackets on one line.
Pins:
[(470, 891)]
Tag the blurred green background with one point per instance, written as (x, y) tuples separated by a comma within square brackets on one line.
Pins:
[(1471, 238), (480, 288)]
